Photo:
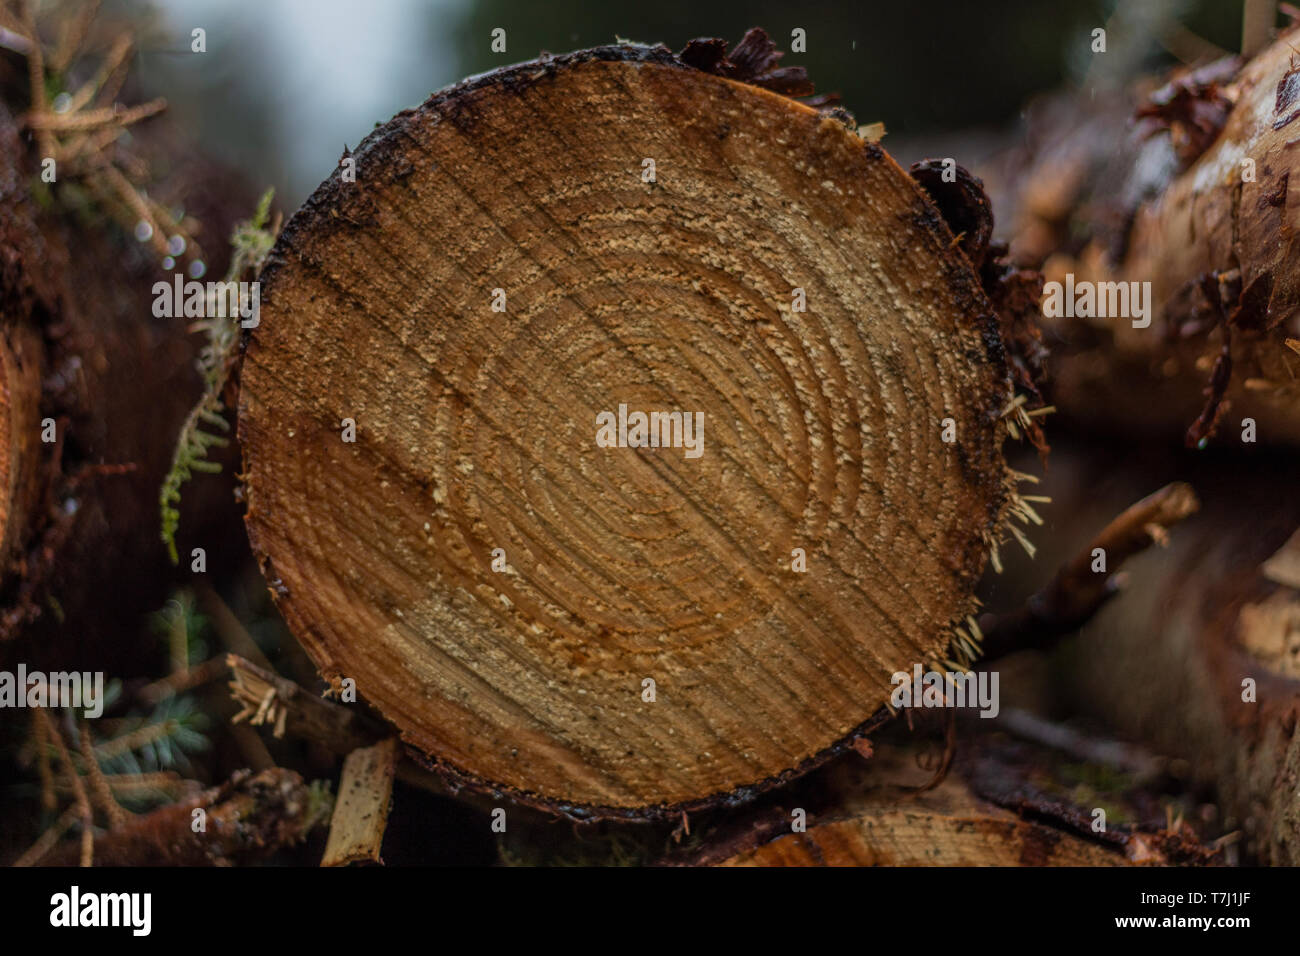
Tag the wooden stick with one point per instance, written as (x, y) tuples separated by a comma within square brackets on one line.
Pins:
[(1078, 590), (49, 838), (181, 681), (361, 811)]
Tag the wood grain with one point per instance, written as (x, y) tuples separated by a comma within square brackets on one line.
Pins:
[(361, 811), (20, 429), (476, 431), (1091, 193), (919, 837)]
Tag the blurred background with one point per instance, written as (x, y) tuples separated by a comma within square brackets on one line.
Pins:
[(286, 84)]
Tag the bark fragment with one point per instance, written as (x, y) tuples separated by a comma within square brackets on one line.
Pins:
[(361, 811)]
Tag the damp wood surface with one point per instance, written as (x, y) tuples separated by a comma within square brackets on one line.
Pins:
[(1192, 186), (475, 431), (918, 836)]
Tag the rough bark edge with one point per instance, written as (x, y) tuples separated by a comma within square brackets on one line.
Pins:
[(1044, 821), (458, 778)]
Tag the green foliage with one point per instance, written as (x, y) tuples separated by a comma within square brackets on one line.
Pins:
[(159, 740), (250, 243), (143, 742), (190, 457), (251, 240)]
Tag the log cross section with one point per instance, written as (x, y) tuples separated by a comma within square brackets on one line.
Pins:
[(501, 584)]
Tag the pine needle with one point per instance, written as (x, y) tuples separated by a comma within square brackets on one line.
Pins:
[(250, 244)]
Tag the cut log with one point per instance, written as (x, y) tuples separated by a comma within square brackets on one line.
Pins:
[(876, 814), (967, 834), (1197, 657), (1205, 213), (623, 630)]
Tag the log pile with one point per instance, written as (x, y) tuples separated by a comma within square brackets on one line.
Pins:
[(618, 426)]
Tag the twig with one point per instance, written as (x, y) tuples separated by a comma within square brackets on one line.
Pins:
[(40, 733), (1077, 592), (73, 35), (47, 840), (36, 75), (229, 628), (87, 120), (1111, 753), (135, 739), (79, 137), (78, 788), (266, 698), (181, 681), (98, 785), (167, 781), (945, 760), (117, 55)]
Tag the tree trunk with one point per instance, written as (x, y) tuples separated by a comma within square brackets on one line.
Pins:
[(622, 227), (1204, 214), (1198, 657), (953, 829), (84, 361)]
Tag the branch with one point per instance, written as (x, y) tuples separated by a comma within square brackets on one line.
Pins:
[(247, 818), (1077, 592)]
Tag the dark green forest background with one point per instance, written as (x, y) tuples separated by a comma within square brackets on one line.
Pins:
[(923, 67)]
